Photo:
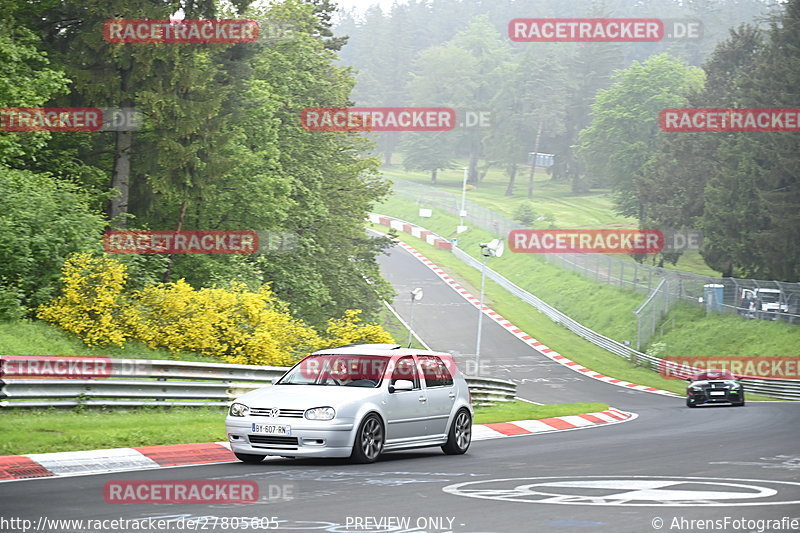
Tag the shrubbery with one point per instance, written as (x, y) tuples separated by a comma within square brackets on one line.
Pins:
[(233, 323)]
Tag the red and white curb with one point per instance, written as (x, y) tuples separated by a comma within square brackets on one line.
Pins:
[(507, 324), (550, 425), (62, 464), (38, 465)]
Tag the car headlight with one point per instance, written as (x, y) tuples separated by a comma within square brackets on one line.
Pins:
[(239, 409), (320, 413)]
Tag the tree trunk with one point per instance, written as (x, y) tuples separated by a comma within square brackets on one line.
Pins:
[(535, 155), (433, 176), (181, 217), (120, 179), (473, 167), (511, 179)]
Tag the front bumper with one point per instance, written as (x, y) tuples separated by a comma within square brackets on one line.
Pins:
[(706, 396), (307, 439)]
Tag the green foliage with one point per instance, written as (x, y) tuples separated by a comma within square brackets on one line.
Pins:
[(42, 221), (624, 133), (525, 214), (26, 80)]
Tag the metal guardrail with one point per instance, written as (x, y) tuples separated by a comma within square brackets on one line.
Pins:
[(158, 383), (486, 391)]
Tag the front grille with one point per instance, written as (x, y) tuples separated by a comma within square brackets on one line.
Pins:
[(284, 413), (273, 440)]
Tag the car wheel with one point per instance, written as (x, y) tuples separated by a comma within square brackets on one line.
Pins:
[(741, 403), (369, 440), (690, 403), (249, 458), (460, 435)]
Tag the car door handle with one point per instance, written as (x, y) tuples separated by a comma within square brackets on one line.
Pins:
[(423, 399), (452, 395)]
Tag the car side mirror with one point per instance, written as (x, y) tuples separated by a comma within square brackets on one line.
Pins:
[(402, 385)]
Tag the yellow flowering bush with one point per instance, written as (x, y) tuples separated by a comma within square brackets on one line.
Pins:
[(349, 329), (92, 304), (234, 323)]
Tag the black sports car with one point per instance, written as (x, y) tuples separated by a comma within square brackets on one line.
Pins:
[(714, 386)]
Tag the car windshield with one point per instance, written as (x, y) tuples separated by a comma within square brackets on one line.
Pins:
[(337, 370), (769, 297), (713, 374)]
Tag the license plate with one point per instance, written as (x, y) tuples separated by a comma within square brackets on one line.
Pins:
[(717, 393), (271, 429)]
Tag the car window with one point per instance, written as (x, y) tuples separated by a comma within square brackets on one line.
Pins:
[(337, 370), (435, 371), (405, 369)]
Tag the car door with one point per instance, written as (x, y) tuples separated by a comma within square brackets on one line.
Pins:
[(441, 392), (406, 410)]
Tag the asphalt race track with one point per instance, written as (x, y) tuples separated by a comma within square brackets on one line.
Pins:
[(736, 467)]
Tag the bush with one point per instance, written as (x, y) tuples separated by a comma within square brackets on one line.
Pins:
[(232, 323), (42, 222), (525, 214), (92, 305)]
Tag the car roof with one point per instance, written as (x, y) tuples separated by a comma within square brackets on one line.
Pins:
[(385, 350)]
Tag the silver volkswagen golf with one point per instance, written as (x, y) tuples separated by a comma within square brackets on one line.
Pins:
[(355, 401)]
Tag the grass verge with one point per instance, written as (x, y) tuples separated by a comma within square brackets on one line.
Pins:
[(62, 430), (35, 337), (519, 410)]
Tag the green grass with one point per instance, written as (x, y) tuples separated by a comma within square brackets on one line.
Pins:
[(592, 210), (692, 333), (593, 304), (60, 430), (518, 410), (33, 337)]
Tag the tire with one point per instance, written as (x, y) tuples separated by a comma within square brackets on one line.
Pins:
[(249, 458), (690, 403), (460, 435), (741, 403), (369, 441)]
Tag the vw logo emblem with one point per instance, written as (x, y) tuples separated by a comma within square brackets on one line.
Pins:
[(273, 413)]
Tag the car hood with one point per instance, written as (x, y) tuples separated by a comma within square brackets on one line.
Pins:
[(304, 396)]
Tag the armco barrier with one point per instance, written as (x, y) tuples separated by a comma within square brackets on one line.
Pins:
[(157, 382), (783, 389)]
